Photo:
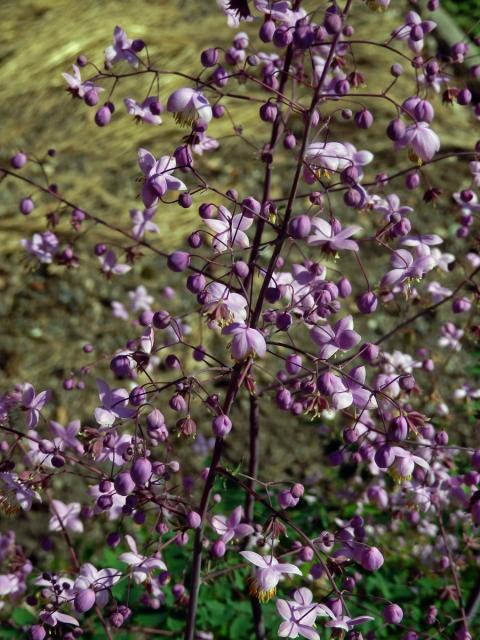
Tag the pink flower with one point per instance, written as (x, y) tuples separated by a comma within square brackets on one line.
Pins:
[(110, 265), (267, 575), (67, 435), (332, 237), (142, 565), (246, 341), (189, 105), (114, 405), (120, 49), (43, 246), (229, 230), (52, 618), (158, 177), (142, 222), (65, 516), (231, 527), (223, 305), (142, 111), (332, 339), (33, 404), (76, 86), (406, 267), (404, 464), (422, 141), (99, 580), (13, 492)]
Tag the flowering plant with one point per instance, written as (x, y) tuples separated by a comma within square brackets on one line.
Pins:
[(306, 292)]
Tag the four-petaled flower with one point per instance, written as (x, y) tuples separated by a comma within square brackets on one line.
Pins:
[(158, 177), (65, 516), (246, 341), (231, 527), (332, 237), (189, 105), (142, 222), (340, 337), (142, 111), (120, 49), (406, 267), (111, 266), (267, 574), (422, 141), (142, 565), (229, 230), (33, 404), (404, 464)]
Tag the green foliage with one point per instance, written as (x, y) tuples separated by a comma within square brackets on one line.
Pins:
[(466, 13)]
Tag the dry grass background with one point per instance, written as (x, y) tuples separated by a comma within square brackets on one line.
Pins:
[(47, 315)]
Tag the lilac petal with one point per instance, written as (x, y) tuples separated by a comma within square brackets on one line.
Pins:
[(146, 161), (348, 339)]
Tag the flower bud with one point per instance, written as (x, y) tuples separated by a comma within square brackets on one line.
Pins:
[(103, 116), (218, 549), (293, 364), (123, 483), (367, 302), (396, 129), (332, 23), (26, 206), (141, 471), (392, 614), (84, 600), (209, 57), (267, 30), (268, 112), (299, 227), (363, 119), (221, 425), (178, 261), (371, 559), (36, 632), (18, 161), (194, 520)]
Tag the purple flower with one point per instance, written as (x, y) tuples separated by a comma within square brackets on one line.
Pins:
[(362, 398), (100, 581), (120, 49), (77, 87), (142, 111), (42, 246), (158, 177), (297, 620), (67, 435), (114, 405), (332, 339), (406, 267), (52, 618), (231, 527), (332, 237), (345, 622), (246, 341), (404, 464), (65, 516), (413, 31), (392, 209), (110, 265), (267, 575), (13, 492), (223, 305), (142, 565), (229, 230), (422, 141), (189, 105), (204, 143), (33, 404), (142, 222), (451, 336)]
